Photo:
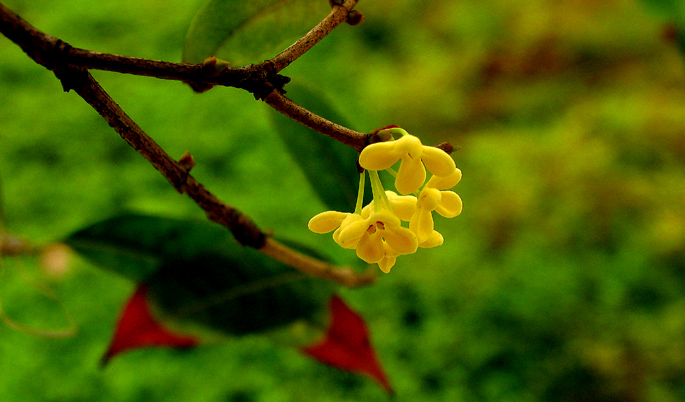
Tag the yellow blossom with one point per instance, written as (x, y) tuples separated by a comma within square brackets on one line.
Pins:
[(413, 155), (371, 233), (389, 259), (375, 231), (403, 206), (329, 221), (326, 221), (434, 239), (351, 218), (433, 198)]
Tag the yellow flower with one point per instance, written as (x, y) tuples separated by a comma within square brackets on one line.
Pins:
[(403, 206), (445, 182), (329, 221), (326, 221), (413, 155), (351, 218), (432, 198), (375, 231), (434, 239), (369, 235), (389, 259)]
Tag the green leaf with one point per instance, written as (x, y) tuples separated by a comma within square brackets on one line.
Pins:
[(244, 32), (234, 296), (198, 273), (672, 9), (134, 246), (330, 166)]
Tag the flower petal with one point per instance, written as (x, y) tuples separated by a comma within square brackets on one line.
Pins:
[(370, 248), (378, 156), (350, 244), (326, 221), (446, 182), (422, 224), (408, 145), (402, 240), (435, 239), (367, 210), (402, 205), (437, 161), (387, 218), (429, 199), (387, 263), (389, 259), (450, 205), (411, 175), (352, 228)]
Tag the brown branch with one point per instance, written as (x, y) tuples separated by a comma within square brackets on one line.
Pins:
[(241, 226), (337, 16), (262, 80), (311, 266), (296, 112), (259, 80), (243, 229), (50, 52)]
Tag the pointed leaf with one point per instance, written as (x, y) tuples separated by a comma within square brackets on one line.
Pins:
[(347, 345), (330, 166), (244, 32), (197, 272), (134, 246), (137, 328), (237, 296)]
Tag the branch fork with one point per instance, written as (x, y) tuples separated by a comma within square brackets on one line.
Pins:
[(70, 65)]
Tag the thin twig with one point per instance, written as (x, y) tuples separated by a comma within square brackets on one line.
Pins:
[(262, 80), (257, 79), (49, 51), (337, 16), (311, 266), (52, 52), (296, 112), (242, 227)]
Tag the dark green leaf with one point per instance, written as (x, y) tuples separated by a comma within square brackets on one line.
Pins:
[(134, 246), (330, 166), (245, 31), (672, 9), (237, 294), (197, 272)]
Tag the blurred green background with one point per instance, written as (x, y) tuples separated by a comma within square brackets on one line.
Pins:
[(563, 279)]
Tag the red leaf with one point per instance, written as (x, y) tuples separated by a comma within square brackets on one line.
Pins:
[(347, 345), (137, 328)]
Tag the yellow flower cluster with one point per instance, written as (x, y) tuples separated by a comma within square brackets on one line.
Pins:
[(375, 231)]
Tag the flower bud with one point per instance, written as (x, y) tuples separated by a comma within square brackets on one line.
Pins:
[(212, 67), (355, 18), (187, 161)]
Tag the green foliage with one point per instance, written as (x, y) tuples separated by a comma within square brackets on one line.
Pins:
[(197, 272), (242, 32), (135, 246), (672, 12), (328, 165), (670, 9), (562, 280)]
